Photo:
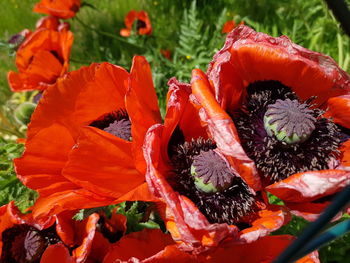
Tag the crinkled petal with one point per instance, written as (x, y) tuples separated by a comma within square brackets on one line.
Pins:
[(222, 129), (180, 114), (248, 56), (267, 221), (309, 186)]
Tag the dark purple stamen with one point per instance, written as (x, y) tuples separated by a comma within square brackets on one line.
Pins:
[(116, 123), (140, 24), (120, 128)]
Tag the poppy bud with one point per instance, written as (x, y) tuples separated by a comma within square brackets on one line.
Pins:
[(24, 112)]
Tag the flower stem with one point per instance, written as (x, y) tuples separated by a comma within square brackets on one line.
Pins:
[(111, 35)]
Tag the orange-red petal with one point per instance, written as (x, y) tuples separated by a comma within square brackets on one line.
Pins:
[(267, 221), (142, 246), (57, 253), (50, 22), (142, 106), (62, 9), (74, 199), (222, 129), (249, 56), (345, 153), (228, 26), (264, 250), (309, 186), (339, 110), (182, 114), (103, 164)]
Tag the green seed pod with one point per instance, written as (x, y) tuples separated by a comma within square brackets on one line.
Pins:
[(24, 112)]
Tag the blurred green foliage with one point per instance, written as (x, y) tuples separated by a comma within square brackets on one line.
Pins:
[(11, 189)]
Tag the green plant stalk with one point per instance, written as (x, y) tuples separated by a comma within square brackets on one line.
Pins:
[(111, 35), (329, 235)]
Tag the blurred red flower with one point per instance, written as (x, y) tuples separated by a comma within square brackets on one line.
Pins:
[(166, 53), (84, 142), (143, 23), (257, 79), (229, 26), (62, 9), (42, 57)]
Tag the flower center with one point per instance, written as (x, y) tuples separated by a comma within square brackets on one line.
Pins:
[(140, 24), (116, 123), (26, 244), (282, 135), (204, 176), (120, 128), (290, 121), (211, 172)]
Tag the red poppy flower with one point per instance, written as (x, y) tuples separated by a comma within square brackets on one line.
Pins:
[(81, 156), (143, 24), (42, 57), (229, 26), (62, 9), (23, 239), (276, 93), (181, 155)]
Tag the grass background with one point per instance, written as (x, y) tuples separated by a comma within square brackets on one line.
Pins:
[(190, 30)]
